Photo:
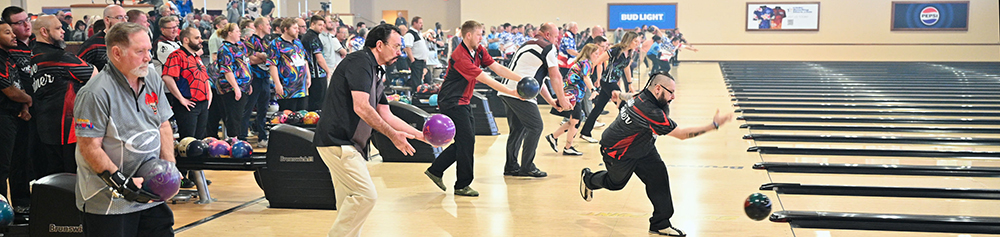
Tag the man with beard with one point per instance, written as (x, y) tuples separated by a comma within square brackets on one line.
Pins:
[(628, 147), (20, 173), (185, 77), (124, 124), (14, 104), (57, 76), (93, 50), (289, 69)]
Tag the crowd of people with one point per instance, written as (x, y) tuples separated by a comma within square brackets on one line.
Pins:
[(82, 112)]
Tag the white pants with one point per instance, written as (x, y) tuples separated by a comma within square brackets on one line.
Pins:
[(354, 188)]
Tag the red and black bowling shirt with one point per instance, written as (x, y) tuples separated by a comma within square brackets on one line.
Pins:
[(463, 68), (188, 71), (633, 133), (94, 51), (57, 76)]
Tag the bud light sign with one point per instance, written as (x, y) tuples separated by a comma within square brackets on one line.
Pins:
[(930, 16), (630, 16)]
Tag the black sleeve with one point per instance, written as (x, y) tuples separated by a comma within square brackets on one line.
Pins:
[(358, 78)]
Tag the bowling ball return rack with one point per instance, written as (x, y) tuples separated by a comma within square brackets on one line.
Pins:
[(197, 166)]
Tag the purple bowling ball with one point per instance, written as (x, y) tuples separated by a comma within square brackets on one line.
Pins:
[(219, 149), (439, 130), (160, 177)]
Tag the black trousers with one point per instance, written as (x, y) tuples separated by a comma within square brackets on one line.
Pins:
[(317, 92), (525, 124), (460, 153), (8, 135), (235, 124), (191, 123), (602, 99), (157, 221), (655, 60), (17, 166), (293, 104), (651, 171), (54, 158), (260, 99), (216, 112), (416, 73)]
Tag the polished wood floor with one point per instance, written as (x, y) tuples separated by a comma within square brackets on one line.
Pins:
[(710, 176)]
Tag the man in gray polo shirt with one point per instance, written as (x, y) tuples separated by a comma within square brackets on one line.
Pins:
[(121, 121)]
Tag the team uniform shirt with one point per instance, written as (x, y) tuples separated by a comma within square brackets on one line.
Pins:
[(8, 79), (494, 45), (312, 45), (94, 51), (340, 125), (57, 76), (617, 64), (129, 124), (254, 45), (233, 58), (21, 55), (460, 80), (531, 60), (189, 73), (506, 39), (654, 49), (357, 43), (164, 47), (573, 83), (330, 47), (764, 15), (634, 131), (289, 57), (567, 42), (418, 46)]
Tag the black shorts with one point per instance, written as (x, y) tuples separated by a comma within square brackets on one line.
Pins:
[(576, 113)]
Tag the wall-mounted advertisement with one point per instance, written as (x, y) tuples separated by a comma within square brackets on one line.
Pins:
[(780, 16), (630, 16), (930, 16)]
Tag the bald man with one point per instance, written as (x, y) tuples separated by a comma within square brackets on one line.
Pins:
[(93, 50), (594, 32), (567, 48), (57, 76)]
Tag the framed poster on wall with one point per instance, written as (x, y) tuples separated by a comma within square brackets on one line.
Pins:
[(782, 16), (930, 16), (630, 16)]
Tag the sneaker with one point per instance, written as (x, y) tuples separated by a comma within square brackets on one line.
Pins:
[(552, 142), (437, 180), (534, 173), (571, 151), (187, 183), (467, 191), (589, 139), (586, 192), (262, 144), (669, 231), (599, 124), (510, 172), (24, 210)]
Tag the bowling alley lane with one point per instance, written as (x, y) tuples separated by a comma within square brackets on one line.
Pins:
[(882, 160), (805, 232)]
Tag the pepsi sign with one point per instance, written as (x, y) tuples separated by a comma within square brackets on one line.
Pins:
[(930, 15)]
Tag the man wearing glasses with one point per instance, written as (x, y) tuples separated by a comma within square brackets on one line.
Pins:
[(93, 50), (628, 147), (167, 43), (20, 24)]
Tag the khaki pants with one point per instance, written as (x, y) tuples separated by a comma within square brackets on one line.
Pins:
[(353, 186)]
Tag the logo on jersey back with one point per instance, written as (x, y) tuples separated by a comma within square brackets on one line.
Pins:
[(929, 16)]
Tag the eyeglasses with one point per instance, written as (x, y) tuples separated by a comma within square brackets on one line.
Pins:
[(668, 90), (21, 22), (120, 17), (394, 46)]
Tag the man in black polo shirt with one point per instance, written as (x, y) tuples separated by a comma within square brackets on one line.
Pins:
[(93, 50), (57, 76), (354, 105), (20, 175), (14, 104), (456, 91), (317, 63)]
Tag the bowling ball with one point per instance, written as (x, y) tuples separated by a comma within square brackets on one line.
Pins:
[(439, 130), (6, 213), (219, 149), (311, 118), (160, 177), (182, 146), (302, 112), (242, 150), (757, 206), (196, 148), (287, 112), (231, 140), (294, 118), (433, 100), (528, 88), (209, 140), (572, 99), (273, 107)]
